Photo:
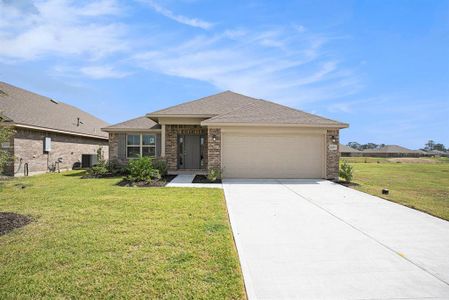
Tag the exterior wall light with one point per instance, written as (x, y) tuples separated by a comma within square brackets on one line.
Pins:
[(333, 139), (214, 137)]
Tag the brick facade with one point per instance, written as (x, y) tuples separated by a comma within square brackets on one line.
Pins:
[(171, 142), (214, 148), (28, 148), (332, 156)]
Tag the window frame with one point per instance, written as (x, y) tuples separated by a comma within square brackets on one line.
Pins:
[(141, 145)]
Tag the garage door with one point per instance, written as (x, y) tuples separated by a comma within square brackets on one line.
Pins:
[(256, 155)]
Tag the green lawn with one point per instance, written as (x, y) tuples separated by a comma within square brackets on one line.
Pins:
[(92, 239), (419, 183)]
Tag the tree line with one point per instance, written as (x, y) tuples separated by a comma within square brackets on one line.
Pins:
[(429, 146)]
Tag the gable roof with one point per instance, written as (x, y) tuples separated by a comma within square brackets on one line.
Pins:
[(208, 106), (26, 109), (390, 149), (347, 149), (233, 108), (140, 123)]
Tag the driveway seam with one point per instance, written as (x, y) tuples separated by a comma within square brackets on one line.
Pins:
[(362, 232)]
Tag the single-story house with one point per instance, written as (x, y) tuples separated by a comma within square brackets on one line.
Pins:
[(240, 135), (346, 151), (49, 135), (391, 151), (437, 153)]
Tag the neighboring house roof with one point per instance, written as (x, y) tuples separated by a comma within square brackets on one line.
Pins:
[(26, 109), (390, 149), (437, 152), (347, 149), (140, 123), (232, 108)]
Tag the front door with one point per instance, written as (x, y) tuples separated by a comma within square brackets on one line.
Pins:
[(192, 152)]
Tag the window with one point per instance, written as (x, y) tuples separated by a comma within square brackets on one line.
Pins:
[(140, 145)]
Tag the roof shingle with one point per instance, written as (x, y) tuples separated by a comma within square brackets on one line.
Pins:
[(140, 123), (23, 107)]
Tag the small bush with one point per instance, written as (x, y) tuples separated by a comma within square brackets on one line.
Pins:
[(346, 171), (117, 169), (161, 166), (99, 170), (142, 170), (213, 174)]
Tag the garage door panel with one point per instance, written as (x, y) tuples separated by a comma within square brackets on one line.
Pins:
[(272, 155)]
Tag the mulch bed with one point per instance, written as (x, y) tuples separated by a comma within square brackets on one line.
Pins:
[(155, 183), (347, 184), (10, 221), (203, 179)]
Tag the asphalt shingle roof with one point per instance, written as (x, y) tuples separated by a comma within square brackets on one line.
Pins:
[(230, 107), (390, 149), (136, 123), (23, 107), (347, 149)]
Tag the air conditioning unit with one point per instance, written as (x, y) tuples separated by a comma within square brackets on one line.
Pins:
[(88, 160)]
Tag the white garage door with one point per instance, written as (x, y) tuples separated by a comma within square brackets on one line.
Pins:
[(256, 155)]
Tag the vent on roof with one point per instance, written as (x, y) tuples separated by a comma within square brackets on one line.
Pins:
[(54, 101), (2, 93)]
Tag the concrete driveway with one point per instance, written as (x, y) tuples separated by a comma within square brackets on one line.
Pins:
[(313, 239)]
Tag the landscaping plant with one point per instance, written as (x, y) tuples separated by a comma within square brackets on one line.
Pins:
[(5, 135), (142, 170), (161, 166), (214, 174), (346, 171)]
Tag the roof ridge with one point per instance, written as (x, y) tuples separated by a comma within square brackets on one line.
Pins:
[(234, 110), (191, 101)]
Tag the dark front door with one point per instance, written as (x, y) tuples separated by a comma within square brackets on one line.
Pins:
[(192, 152)]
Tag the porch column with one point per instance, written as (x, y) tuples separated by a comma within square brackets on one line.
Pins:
[(163, 140)]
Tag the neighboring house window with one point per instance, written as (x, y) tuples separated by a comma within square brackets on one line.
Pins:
[(140, 145)]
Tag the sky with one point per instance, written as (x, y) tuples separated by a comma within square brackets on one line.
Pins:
[(381, 66)]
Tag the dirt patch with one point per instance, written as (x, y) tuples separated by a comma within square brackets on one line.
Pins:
[(203, 179), (155, 183), (10, 221), (413, 160)]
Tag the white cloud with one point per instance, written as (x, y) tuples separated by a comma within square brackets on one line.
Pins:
[(194, 22), (59, 28), (292, 67), (102, 72)]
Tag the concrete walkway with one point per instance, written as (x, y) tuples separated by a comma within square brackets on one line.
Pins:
[(185, 180), (313, 239)]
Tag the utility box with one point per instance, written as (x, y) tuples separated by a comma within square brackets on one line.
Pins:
[(88, 160), (47, 144)]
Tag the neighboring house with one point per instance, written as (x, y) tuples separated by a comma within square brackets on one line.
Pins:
[(243, 136), (49, 135), (346, 151), (437, 153), (391, 151)]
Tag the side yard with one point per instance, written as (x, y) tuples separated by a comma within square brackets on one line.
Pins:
[(422, 184), (92, 239)]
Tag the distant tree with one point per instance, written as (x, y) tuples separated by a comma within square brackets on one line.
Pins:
[(439, 147), (5, 136), (354, 145), (429, 146), (369, 146)]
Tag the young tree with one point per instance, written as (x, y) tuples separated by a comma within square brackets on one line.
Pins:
[(429, 146), (5, 136)]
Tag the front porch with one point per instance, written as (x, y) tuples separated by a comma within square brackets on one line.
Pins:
[(190, 148)]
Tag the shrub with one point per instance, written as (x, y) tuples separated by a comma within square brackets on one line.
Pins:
[(346, 171), (117, 169), (161, 166), (213, 174), (142, 169), (99, 170)]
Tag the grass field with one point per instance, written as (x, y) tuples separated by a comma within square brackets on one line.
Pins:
[(419, 183), (92, 239)]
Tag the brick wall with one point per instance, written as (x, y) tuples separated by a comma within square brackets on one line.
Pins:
[(29, 148), (171, 142), (214, 148), (332, 156)]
